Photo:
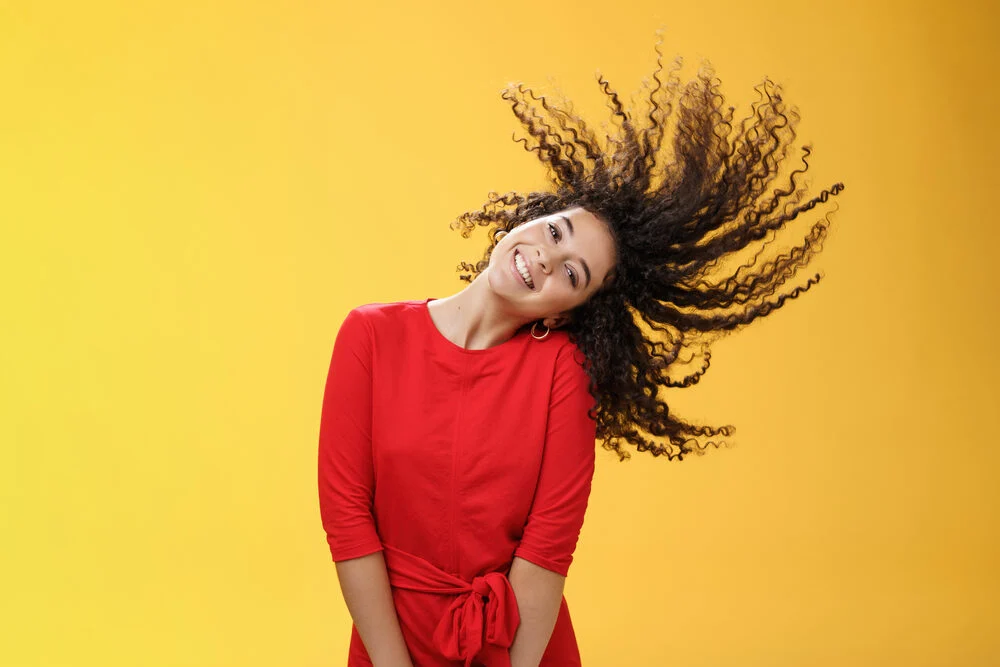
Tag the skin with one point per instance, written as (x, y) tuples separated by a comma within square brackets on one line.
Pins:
[(497, 303)]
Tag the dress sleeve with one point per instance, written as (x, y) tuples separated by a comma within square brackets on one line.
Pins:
[(567, 470), (346, 477)]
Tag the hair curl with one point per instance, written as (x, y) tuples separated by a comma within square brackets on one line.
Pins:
[(678, 226)]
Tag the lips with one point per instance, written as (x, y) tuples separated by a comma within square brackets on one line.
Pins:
[(517, 274)]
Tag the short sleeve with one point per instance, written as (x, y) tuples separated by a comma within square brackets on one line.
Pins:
[(567, 469), (346, 476)]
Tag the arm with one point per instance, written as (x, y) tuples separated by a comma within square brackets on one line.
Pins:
[(365, 585), (542, 559), (346, 495), (539, 594)]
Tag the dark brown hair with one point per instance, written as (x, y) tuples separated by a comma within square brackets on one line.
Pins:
[(680, 223)]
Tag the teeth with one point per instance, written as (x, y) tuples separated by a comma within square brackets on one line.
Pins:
[(523, 269)]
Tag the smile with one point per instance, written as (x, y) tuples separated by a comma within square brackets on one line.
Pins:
[(520, 268)]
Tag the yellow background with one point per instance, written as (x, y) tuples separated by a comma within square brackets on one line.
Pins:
[(193, 194)]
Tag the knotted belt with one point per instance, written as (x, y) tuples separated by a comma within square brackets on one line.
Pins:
[(479, 624)]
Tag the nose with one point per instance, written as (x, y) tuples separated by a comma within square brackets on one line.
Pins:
[(542, 259)]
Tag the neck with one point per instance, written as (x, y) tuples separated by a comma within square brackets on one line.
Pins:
[(474, 318)]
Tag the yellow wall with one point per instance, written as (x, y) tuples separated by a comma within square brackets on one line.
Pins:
[(193, 194)]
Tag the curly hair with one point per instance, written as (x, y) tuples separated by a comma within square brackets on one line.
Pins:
[(679, 224)]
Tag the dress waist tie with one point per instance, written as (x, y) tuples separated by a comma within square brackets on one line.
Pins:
[(487, 602)]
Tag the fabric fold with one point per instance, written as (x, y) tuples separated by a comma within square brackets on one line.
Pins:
[(478, 625)]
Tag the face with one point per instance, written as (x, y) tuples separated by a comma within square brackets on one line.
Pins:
[(567, 257)]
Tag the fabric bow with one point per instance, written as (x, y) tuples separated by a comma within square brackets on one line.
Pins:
[(479, 624), (490, 605)]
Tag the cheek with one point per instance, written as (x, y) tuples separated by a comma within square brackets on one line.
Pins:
[(570, 296)]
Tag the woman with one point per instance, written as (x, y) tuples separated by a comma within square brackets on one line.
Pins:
[(457, 434)]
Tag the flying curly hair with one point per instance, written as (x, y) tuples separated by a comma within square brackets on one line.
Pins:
[(680, 223)]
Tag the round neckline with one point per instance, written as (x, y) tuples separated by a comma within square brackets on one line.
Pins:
[(447, 344)]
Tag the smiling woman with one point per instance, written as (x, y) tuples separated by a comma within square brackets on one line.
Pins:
[(549, 258), (457, 442)]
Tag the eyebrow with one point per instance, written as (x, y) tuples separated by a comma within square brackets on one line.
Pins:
[(586, 269)]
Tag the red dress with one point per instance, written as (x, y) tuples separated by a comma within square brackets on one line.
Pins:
[(452, 462)]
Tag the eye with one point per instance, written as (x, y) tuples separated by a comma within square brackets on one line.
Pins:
[(556, 234)]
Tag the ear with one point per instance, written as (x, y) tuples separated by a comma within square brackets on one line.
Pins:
[(556, 321)]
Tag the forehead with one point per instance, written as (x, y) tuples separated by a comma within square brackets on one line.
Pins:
[(587, 227), (581, 217)]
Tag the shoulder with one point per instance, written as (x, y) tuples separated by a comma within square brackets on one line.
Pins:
[(570, 381), (382, 323), (385, 308), (567, 351), (556, 347), (378, 312), (569, 364)]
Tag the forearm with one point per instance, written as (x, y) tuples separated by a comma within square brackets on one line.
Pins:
[(539, 594), (365, 585)]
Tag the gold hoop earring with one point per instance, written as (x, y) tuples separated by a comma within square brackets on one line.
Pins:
[(533, 331)]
